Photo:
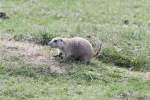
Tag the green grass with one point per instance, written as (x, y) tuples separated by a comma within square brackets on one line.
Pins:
[(134, 62), (81, 82), (120, 24)]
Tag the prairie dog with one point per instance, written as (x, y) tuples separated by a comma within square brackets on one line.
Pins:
[(76, 47)]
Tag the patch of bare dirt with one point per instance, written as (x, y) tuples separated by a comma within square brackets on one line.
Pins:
[(30, 53)]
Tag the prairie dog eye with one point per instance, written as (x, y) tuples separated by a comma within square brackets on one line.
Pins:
[(55, 41)]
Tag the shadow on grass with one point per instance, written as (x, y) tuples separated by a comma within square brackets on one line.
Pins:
[(41, 38)]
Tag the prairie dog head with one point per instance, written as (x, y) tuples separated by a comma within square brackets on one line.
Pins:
[(57, 43)]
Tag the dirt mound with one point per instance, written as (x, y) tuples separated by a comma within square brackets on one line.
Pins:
[(30, 53)]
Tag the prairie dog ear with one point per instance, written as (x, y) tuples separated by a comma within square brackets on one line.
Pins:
[(62, 42)]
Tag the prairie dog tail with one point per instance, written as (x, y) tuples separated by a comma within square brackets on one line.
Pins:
[(98, 46), (96, 43)]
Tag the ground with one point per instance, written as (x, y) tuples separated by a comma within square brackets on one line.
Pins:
[(28, 71), (29, 53)]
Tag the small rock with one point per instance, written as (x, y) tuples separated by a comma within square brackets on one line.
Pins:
[(126, 21), (3, 15)]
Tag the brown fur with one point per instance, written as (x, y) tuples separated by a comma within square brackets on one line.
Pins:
[(76, 47)]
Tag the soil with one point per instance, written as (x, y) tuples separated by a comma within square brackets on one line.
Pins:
[(31, 53)]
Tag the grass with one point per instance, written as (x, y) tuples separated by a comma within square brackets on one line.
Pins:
[(81, 82), (136, 62), (121, 25)]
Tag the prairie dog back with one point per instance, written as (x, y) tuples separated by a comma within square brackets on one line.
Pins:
[(76, 47), (80, 47)]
